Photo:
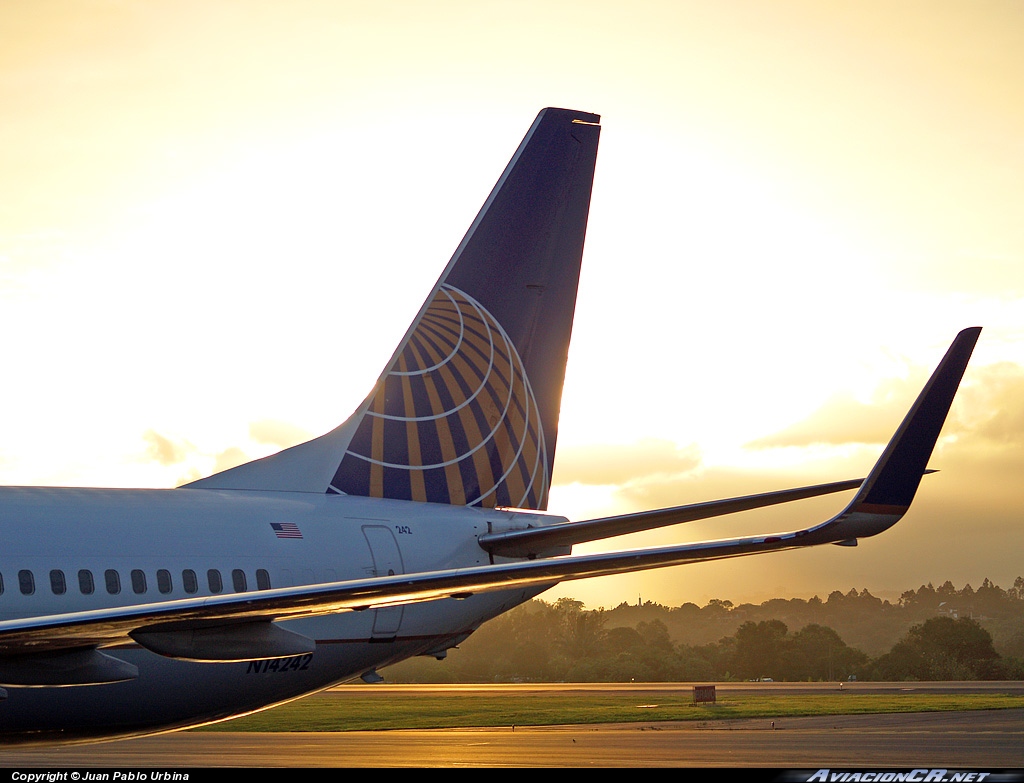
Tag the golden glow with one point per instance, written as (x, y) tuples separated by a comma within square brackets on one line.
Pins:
[(797, 206)]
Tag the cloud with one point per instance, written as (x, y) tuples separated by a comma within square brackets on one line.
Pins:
[(164, 450), (620, 464), (277, 433), (992, 407), (989, 406), (845, 420), (192, 463), (194, 474), (230, 458), (185, 456)]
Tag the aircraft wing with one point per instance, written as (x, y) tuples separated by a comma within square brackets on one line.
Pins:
[(170, 627)]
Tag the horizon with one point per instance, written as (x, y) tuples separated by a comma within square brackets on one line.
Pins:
[(892, 598)]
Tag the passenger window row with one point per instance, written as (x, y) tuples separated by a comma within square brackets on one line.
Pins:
[(164, 581)]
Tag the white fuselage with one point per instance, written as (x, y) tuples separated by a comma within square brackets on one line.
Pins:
[(72, 550)]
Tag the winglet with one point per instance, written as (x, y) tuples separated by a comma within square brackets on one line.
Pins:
[(888, 490)]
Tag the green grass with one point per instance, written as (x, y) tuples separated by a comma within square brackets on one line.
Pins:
[(344, 711)]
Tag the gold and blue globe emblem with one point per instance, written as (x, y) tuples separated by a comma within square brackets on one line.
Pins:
[(454, 421)]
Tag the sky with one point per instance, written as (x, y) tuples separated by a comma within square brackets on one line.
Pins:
[(218, 218)]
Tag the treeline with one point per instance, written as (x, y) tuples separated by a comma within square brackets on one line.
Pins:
[(929, 634)]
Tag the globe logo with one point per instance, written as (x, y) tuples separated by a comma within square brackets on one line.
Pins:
[(455, 419)]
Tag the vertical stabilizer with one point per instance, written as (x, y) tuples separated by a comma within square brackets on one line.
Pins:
[(466, 411)]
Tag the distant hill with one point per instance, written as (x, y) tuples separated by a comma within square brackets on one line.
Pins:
[(855, 630)]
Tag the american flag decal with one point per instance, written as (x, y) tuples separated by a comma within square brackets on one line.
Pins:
[(286, 530)]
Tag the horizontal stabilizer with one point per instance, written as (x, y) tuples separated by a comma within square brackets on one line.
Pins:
[(534, 541)]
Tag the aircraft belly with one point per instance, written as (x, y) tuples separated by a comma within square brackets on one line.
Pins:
[(172, 694)]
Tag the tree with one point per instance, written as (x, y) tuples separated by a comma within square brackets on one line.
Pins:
[(817, 652), (942, 649), (760, 649), (583, 633)]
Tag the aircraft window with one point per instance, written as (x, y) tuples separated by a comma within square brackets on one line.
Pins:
[(163, 581), (216, 583), (57, 582), (26, 582), (85, 583), (188, 579), (1, 584), (138, 581), (262, 579), (113, 581), (238, 580)]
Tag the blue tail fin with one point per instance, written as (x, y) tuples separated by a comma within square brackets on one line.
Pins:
[(466, 411)]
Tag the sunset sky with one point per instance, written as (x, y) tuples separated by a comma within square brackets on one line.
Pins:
[(218, 218)]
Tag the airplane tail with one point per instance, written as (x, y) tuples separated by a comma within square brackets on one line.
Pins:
[(466, 412)]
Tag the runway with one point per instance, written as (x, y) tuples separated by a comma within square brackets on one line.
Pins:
[(981, 740)]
